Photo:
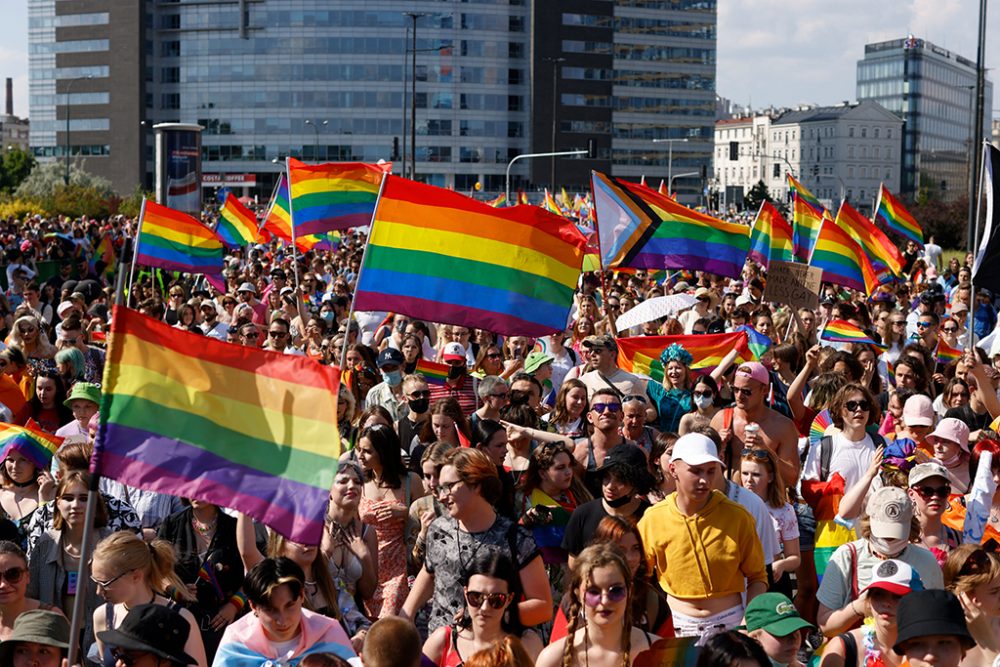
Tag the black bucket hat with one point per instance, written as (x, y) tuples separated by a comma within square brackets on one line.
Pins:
[(152, 628)]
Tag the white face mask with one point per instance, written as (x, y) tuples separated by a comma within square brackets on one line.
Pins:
[(888, 547), (703, 402)]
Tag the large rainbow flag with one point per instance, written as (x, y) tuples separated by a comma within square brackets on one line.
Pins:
[(842, 259), (807, 218), (30, 441), (236, 426), (893, 215), (771, 236), (442, 256), (885, 256), (237, 224), (641, 354), (278, 218), (175, 241), (335, 195)]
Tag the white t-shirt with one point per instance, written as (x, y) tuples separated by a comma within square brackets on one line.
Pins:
[(932, 252), (752, 503), (849, 458)]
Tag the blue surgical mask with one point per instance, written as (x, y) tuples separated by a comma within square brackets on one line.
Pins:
[(393, 378), (327, 316)]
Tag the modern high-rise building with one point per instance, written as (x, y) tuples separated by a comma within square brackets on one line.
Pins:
[(323, 81), (933, 90)]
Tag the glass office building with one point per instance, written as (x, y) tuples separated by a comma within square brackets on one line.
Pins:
[(933, 90)]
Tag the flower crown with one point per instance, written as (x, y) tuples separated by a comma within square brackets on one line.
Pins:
[(676, 352)]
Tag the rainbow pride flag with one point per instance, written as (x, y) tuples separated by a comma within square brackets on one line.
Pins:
[(498, 201), (946, 353), (441, 256), (842, 259), (236, 426), (641, 354), (807, 218), (893, 215), (550, 204), (175, 241), (883, 252), (771, 236), (30, 441), (842, 331), (105, 252), (325, 197), (237, 224), (432, 371), (278, 219)]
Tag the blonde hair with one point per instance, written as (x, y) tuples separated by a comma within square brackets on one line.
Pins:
[(980, 568), (602, 554), (320, 570), (125, 551)]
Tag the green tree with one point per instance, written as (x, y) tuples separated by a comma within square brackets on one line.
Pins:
[(14, 168), (757, 195), (130, 205), (86, 194)]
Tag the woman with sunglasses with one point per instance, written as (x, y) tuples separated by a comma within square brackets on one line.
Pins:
[(569, 415), (973, 575), (490, 589), (27, 335), (599, 629), (129, 572), (704, 396), (489, 361), (493, 393), (759, 473), (930, 490), (13, 588)]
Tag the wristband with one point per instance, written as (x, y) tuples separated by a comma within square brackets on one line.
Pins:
[(239, 601)]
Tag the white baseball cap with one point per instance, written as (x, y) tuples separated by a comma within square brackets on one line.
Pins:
[(695, 449)]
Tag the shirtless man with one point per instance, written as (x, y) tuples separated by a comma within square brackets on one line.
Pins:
[(776, 432)]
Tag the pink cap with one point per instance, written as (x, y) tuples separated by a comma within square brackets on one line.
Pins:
[(952, 430), (755, 371), (918, 411)]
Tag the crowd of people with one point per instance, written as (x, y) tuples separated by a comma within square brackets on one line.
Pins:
[(541, 505)]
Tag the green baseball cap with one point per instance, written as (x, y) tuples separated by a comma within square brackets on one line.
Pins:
[(774, 613), (85, 390), (536, 360)]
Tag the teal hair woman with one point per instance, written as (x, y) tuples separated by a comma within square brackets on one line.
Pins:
[(672, 398)]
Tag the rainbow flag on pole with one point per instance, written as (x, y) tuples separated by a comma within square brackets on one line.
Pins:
[(842, 259), (442, 256), (175, 241), (326, 197), (946, 353), (236, 426), (886, 257), (893, 215), (550, 204), (771, 236), (807, 218), (842, 331), (30, 441), (641, 354), (278, 219), (237, 224)]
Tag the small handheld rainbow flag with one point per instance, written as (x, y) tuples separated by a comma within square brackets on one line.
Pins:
[(432, 371), (891, 213), (30, 441), (807, 218), (758, 342), (946, 353), (550, 204), (500, 200), (842, 331), (237, 224)]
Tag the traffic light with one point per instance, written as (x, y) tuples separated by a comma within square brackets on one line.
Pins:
[(591, 149)]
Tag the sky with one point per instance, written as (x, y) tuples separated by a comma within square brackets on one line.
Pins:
[(770, 52)]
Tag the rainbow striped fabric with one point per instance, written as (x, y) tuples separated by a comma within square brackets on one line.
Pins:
[(842, 259), (946, 353), (842, 331), (278, 219), (237, 224), (771, 236), (105, 252), (432, 371), (623, 222), (333, 195), (890, 212), (175, 241), (885, 256), (30, 441), (807, 218), (641, 354), (236, 426), (442, 256), (550, 204), (498, 201), (759, 343)]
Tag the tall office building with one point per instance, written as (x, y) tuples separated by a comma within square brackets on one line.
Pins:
[(322, 81), (933, 90)]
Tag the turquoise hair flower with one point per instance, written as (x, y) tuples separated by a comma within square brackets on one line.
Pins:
[(676, 352)]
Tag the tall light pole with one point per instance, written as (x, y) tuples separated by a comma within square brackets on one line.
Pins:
[(670, 153), (413, 95), (315, 126), (69, 87), (555, 96)]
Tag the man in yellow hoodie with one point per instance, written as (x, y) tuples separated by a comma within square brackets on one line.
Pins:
[(702, 546)]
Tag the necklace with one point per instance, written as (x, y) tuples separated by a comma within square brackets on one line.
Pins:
[(153, 601), (204, 529)]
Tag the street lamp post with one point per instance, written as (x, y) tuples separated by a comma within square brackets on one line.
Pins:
[(555, 96), (69, 87), (670, 152), (413, 95), (670, 183), (315, 126)]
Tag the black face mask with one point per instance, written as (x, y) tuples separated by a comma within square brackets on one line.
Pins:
[(455, 372), (420, 406), (619, 502)]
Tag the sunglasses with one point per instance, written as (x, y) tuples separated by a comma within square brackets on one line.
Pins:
[(613, 408), (977, 562), (502, 395), (615, 594), (12, 575), (928, 492), (950, 329), (761, 454), (704, 394), (898, 323), (105, 584), (923, 325), (854, 406), (475, 599), (426, 393), (494, 355)]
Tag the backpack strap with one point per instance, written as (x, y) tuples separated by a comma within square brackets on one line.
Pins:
[(850, 649), (825, 453), (853, 572)]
